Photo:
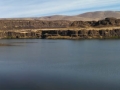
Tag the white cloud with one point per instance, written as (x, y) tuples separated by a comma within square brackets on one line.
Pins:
[(32, 8)]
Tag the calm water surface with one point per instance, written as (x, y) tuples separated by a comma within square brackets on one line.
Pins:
[(35, 64)]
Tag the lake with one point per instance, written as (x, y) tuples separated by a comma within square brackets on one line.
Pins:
[(41, 64)]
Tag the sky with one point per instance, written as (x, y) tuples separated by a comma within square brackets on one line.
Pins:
[(39, 8)]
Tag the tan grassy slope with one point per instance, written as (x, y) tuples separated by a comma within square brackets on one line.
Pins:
[(85, 16), (88, 16)]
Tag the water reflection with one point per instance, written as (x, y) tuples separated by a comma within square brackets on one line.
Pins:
[(60, 65), (4, 44)]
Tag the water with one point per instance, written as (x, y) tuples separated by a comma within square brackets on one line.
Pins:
[(35, 64)]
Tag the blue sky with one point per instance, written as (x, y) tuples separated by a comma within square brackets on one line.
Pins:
[(38, 8)]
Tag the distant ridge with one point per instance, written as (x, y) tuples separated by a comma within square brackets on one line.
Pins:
[(88, 16), (101, 15)]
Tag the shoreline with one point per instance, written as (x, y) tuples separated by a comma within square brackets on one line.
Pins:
[(80, 33)]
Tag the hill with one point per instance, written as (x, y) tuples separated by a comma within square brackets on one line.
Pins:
[(88, 16)]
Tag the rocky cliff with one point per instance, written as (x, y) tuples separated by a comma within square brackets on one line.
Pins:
[(32, 24), (107, 22), (37, 24), (107, 28), (62, 34)]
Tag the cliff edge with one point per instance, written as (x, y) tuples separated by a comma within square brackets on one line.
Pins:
[(62, 29)]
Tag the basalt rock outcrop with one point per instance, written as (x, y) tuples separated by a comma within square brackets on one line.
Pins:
[(107, 28), (37, 24), (107, 22), (61, 34), (32, 24)]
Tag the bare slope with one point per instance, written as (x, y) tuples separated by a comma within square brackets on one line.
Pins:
[(100, 14), (89, 16), (63, 17)]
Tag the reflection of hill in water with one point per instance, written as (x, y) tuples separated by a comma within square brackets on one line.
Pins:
[(3, 44)]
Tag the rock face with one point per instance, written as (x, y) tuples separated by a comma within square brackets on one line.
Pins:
[(32, 24), (81, 34), (37, 24), (107, 22), (60, 29), (61, 34)]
